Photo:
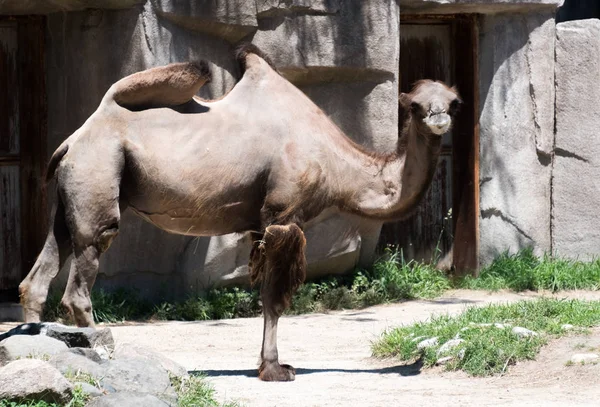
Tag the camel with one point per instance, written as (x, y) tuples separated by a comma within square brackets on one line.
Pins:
[(263, 159)]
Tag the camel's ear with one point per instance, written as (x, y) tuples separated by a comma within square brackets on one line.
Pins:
[(404, 100)]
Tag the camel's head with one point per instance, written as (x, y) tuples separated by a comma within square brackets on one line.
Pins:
[(432, 103)]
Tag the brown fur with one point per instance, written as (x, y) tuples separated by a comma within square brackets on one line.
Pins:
[(242, 52), (278, 263), (169, 85)]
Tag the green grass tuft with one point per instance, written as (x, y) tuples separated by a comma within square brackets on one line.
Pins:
[(194, 391), (524, 271), (489, 350)]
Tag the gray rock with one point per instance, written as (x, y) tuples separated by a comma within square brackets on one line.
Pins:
[(127, 399), (566, 327), (82, 337), (88, 389), (91, 354), (139, 375), (576, 225), (427, 343), (267, 8), (445, 360), (523, 332), (516, 130), (448, 346), (32, 379), (502, 326), (71, 362), (25, 346), (585, 358), (103, 352), (128, 350), (418, 339)]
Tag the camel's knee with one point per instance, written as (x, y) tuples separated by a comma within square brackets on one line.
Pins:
[(79, 308), (106, 237)]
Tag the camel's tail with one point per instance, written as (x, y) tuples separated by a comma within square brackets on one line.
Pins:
[(168, 85)]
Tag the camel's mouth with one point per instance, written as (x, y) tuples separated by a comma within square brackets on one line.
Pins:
[(438, 123)]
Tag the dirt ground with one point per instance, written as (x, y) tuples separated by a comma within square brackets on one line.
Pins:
[(331, 353)]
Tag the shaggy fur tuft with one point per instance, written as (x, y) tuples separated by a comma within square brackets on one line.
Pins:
[(242, 52)]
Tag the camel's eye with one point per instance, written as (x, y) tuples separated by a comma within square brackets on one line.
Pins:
[(415, 107), (455, 105)]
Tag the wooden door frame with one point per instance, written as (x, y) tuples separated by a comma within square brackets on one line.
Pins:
[(465, 143), (33, 139)]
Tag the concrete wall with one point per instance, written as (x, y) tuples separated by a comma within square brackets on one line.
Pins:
[(516, 132), (576, 183), (344, 58)]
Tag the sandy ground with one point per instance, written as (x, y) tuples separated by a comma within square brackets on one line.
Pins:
[(331, 353)]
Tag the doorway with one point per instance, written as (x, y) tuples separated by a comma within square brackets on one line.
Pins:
[(22, 149), (444, 228)]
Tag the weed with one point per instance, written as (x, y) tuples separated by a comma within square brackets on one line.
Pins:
[(194, 391), (488, 350)]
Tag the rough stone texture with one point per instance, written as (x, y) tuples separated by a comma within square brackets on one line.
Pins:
[(11, 7), (127, 399), (338, 57), (81, 337), (88, 389), (576, 224), (428, 343), (517, 105), (448, 346), (23, 346), (585, 358), (88, 353), (138, 375), (477, 6), (68, 361), (32, 379), (128, 350), (523, 332)]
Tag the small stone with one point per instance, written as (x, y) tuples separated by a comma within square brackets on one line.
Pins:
[(25, 346), (428, 343), (127, 399), (461, 354), (502, 326), (81, 337), (32, 379), (585, 358), (523, 332), (88, 389), (70, 362), (448, 346), (139, 375), (102, 352), (444, 360), (128, 350), (418, 339), (566, 327)]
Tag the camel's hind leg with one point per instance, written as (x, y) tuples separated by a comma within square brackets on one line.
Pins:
[(57, 248), (278, 262)]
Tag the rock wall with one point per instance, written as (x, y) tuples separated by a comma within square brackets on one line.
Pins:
[(344, 58), (516, 132), (576, 177)]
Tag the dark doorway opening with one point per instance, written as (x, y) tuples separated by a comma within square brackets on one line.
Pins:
[(22, 148), (444, 229)]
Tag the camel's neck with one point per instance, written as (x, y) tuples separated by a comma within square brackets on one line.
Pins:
[(400, 180)]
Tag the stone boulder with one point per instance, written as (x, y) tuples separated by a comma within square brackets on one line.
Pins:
[(24, 346), (128, 351), (81, 337), (127, 399), (72, 362), (576, 224), (31, 379)]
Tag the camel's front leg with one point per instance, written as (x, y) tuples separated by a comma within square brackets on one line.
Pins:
[(279, 263)]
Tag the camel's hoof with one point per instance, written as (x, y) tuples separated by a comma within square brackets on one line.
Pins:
[(274, 372)]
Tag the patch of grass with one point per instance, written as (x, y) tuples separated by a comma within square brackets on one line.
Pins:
[(79, 399), (525, 271), (194, 391), (390, 279), (488, 350)]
